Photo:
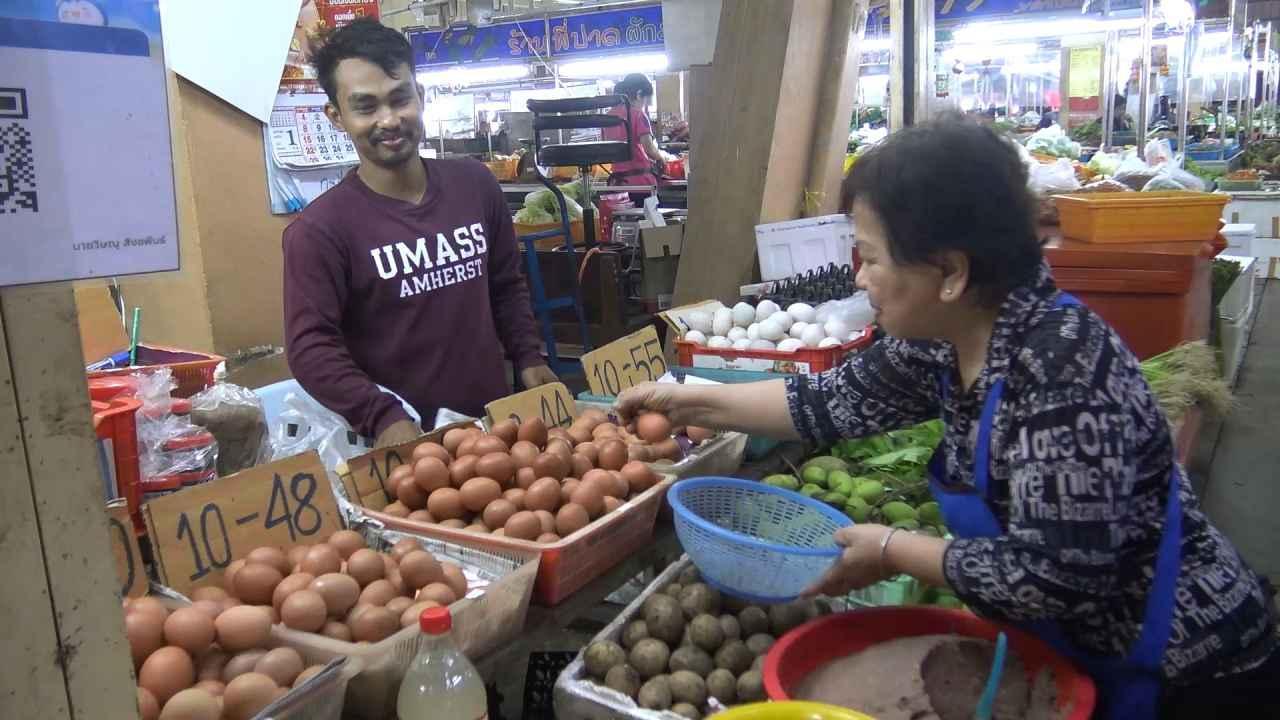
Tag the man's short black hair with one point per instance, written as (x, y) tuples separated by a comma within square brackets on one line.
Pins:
[(633, 85), (952, 184), (367, 39)]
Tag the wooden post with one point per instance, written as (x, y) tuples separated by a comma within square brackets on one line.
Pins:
[(64, 651), (835, 106)]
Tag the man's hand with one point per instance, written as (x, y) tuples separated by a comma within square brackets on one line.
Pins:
[(537, 375), (398, 433)]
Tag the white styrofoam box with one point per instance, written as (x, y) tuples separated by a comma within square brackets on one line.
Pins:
[(1239, 238), (1260, 209), (1237, 303), (796, 246), (1267, 250)]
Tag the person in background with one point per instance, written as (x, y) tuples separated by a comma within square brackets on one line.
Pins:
[(644, 148), (406, 274)]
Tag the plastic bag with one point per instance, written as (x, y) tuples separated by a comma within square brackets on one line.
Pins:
[(1052, 141), (1172, 177), (1104, 185), (854, 313), (172, 451), (1158, 152), (1104, 163), (1134, 172), (235, 417), (1056, 177), (305, 425)]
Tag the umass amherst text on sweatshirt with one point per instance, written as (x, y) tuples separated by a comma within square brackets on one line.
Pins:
[(420, 298)]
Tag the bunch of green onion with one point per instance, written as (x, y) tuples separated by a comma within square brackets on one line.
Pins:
[(1185, 376)]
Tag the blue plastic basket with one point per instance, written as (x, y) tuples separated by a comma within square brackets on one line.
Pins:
[(752, 540)]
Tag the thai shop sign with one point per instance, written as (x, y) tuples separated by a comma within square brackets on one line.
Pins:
[(607, 31), (500, 41), (951, 10)]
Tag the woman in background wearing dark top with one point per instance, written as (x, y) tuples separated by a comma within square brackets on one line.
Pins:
[(644, 148)]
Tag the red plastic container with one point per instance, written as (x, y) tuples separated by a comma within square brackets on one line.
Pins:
[(116, 421), (192, 371), (804, 360), (815, 643)]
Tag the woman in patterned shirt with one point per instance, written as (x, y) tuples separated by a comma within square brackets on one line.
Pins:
[(1056, 474)]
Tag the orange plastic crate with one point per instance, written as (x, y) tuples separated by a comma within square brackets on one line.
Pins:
[(192, 371), (115, 420), (804, 360), (1135, 217)]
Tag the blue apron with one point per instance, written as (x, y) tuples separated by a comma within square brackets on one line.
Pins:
[(1128, 687)]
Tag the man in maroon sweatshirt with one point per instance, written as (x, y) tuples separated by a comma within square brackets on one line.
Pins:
[(406, 274)]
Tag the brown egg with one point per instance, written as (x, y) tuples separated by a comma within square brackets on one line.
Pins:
[(611, 504), (547, 538), (566, 490), (366, 566), (455, 579), (438, 593), (497, 512), (667, 449), (604, 481), (397, 509), (148, 707), (399, 604), (290, 585), (208, 607), (145, 632), (571, 518), (355, 612), (430, 449), (191, 704), (467, 448), (523, 525), (638, 477), (403, 547), (523, 452), (247, 695), (591, 497), (580, 464), (189, 629), (477, 527), (304, 610), (490, 444), (497, 465), (452, 439), (243, 627), (209, 666), (613, 454), (533, 430), (525, 477), (431, 474), (374, 624), (455, 523), (590, 451), (604, 431), (579, 432), (445, 504), (166, 671), (421, 516), (336, 630), (411, 615), (411, 495), (547, 520), (270, 556), (419, 569), (399, 474), (307, 674), (213, 687), (652, 427), (462, 470), (550, 465), (543, 495), (561, 434), (639, 452), (397, 581), (240, 664), (561, 448), (321, 559), (256, 582), (378, 593), (515, 496), (281, 665), (508, 430), (229, 576), (209, 592), (296, 553), (271, 612), (593, 417), (478, 492), (339, 592)]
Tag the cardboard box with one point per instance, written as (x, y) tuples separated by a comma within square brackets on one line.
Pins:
[(662, 247)]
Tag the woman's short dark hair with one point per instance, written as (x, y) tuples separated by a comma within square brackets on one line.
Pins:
[(952, 184), (633, 85), (366, 39)]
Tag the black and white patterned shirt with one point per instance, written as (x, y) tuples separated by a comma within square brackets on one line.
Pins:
[(1080, 460)]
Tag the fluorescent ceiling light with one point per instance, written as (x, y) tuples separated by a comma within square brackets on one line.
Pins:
[(615, 66), (460, 75), (984, 32), (978, 53), (876, 43)]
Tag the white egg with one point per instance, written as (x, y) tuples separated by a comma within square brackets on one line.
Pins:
[(762, 345), (802, 312), (753, 331), (743, 314), (790, 345), (694, 336), (770, 330), (853, 334), (783, 319), (812, 335), (714, 305), (765, 309), (797, 328), (827, 342), (741, 343), (722, 321), (699, 320), (736, 333), (836, 328), (719, 342)]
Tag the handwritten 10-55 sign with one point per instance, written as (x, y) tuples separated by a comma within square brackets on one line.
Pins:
[(625, 362)]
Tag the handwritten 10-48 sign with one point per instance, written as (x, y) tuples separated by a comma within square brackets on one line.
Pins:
[(198, 532)]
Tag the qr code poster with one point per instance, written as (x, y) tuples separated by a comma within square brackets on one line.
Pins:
[(86, 169)]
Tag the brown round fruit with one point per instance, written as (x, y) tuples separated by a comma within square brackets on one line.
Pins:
[(653, 427), (290, 585), (321, 559), (411, 494), (411, 615), (243, 627), (666, 449), (445, 504), (570, 519), (580, 464), (478, 492), (611, 504), (166, 672), (346, 542), (455, 579), (421, 516), (336, 630), (431, 473), (525, 477), (190, 629), (547, 520), (547, 538), (498, 512), (566, 490), (378, 593), (281, 665), (638, 477)]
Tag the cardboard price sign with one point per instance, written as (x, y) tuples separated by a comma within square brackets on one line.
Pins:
[(198, 532), (552, 402), (124, 548), (625, 362), (365, 477)]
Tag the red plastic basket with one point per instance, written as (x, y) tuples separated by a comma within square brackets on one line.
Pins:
[(115, 421), (804, 360), (192, 371), (815, 643)]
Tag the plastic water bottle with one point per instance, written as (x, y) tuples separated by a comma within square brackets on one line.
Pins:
[(441, 683)]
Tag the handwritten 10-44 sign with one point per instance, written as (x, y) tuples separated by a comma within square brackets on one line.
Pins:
[(551, 402), (198, 532), (624, 362)]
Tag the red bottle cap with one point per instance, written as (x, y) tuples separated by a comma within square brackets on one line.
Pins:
[(435, 621)]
